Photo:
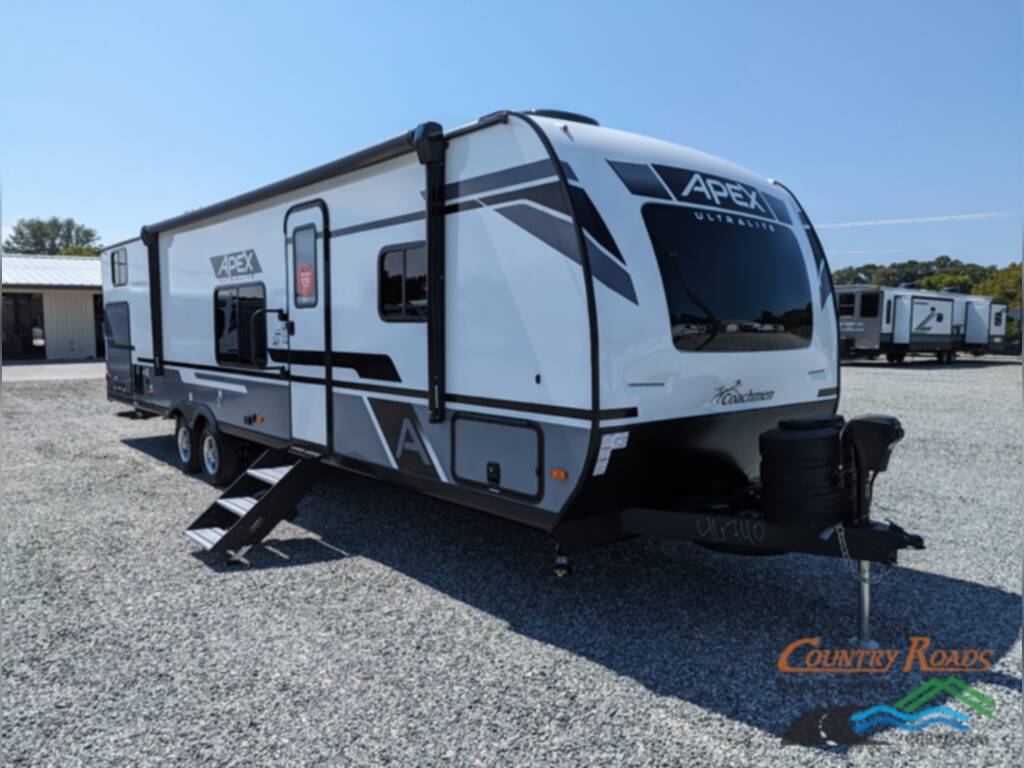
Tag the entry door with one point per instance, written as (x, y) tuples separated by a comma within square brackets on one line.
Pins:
[(307, 257), (901, 321)]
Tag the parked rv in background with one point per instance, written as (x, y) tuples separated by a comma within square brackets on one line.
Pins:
[(879, 320)]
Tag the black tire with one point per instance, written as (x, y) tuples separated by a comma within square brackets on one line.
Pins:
[(218, 456), (186, 447)]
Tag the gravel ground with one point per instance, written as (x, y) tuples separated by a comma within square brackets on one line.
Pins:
[(386, 628)]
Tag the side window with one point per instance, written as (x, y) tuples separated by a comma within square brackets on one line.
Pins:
[(403, 283), (305, 277), (888, 311), (240, 335), (869, 305), (846, 302), (999, 318), (119, 266)]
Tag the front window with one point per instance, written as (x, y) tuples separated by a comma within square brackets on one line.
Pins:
[(733, 283)]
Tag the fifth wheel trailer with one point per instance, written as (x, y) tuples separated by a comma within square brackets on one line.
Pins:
[(587, 331), (876, 320)]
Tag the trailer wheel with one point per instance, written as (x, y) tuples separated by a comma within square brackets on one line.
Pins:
[(895, 357), (219, 456), (187, 447)]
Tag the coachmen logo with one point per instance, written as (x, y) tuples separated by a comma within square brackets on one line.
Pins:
[(732, 395), (237, 264)]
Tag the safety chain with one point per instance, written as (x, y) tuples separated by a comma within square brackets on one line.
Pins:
[(845, 552)]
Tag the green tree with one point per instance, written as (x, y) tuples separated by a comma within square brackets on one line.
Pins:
[(52, 236), (1004, 286)]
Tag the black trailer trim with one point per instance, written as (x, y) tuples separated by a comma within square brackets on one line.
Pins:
[(152, 243), (378, 153), (877, 542), (543, 409), (564, 173), (430, 150), (368, 365), (825, 273)]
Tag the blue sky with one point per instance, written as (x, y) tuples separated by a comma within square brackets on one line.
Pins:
[(120, 114)]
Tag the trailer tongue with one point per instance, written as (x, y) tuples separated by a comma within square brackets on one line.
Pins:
[(814, 498)]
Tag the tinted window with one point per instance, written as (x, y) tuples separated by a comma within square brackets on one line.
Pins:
[(846, 302), (999, 318), (403, 283), (305, 277), (733, 283), (888, 310), (119, 266), (869, 305), (241, 339)]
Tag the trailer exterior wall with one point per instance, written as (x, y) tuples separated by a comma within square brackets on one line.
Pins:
[(558, 325)]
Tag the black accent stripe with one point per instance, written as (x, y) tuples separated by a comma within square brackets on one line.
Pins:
[(519, 174), (592, 222), (828, 391), (465, 205), (541, 408), (560, 235), (367, 365), (610, 272), (421, 394), (253, 372), (549, 195), (379, 223), (639, 179), (778, 208)]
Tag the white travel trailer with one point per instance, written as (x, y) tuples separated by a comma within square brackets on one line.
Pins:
[(583, 330), (876, 320)]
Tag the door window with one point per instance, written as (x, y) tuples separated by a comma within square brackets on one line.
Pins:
[(305, 278)]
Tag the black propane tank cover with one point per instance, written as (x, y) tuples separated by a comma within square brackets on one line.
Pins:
[(801, 480), (873, 438)]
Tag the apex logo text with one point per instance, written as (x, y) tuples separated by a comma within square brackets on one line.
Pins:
[(237, 264)]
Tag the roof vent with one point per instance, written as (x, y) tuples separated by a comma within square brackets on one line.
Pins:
[(558, 114)]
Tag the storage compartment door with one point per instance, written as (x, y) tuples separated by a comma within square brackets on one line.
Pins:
[(501, 456), (977, 323), (901, 321)]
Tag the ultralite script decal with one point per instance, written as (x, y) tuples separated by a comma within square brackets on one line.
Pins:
[(732, 395), (237, 264)]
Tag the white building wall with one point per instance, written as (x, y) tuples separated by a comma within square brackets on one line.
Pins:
[(68, 318), (68, 321)]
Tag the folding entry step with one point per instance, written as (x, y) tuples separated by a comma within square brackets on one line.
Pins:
[(259, 499)]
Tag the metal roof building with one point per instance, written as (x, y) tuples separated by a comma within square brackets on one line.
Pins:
[(52, 307)]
